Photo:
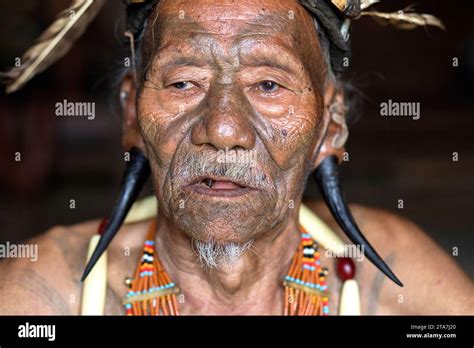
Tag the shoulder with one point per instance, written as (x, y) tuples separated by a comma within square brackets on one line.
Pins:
[(50, 283), (429, 273), (388, 233), (382, 228)]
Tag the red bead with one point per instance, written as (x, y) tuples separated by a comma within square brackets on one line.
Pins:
[(345, 268), (102, 225)]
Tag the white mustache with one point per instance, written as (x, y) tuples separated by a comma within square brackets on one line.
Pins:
[(193, 166)]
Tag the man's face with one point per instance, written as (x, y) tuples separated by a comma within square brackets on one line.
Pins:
[(243, 76)]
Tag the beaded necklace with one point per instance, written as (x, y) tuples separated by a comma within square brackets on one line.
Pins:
[(151, 291)]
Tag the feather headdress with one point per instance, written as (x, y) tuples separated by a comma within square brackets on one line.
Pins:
[(334, 16), (54, 42), (405, 19)]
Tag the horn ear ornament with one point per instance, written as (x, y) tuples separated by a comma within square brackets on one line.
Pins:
[(327, 178), (136, 174)]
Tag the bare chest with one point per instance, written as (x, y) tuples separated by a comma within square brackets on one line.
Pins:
[(122, 266)]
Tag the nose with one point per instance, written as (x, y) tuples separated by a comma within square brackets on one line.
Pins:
[(226, 121)]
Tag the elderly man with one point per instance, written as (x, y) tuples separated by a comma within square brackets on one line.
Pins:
[(255, 79)]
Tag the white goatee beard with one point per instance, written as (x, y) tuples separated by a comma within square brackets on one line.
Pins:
[(213, 255)]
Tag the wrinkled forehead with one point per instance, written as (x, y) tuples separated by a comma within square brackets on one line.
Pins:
[(231, 27), (231, 18)]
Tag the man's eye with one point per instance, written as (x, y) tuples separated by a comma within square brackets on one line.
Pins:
[(183, 85), (268, 86)]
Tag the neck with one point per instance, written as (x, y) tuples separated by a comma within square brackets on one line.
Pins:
[(252, 285)]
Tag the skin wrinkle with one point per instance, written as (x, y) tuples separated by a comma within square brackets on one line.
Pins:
[(127, 261), (65, 244), (198, 45), (226, 108), (41, 290), (114, 302), (377, 285), (281, 59)]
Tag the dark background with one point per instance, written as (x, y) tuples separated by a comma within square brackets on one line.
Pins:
[(394, 158)]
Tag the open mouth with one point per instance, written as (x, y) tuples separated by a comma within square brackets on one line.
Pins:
[(218, 187), (221, 184)]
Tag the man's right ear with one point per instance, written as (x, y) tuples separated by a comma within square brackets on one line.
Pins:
[(128, 98)]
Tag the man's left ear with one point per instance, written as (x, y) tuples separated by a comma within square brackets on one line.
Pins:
[(137, 172), (326, 175), (335, 131), (128, 98)]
